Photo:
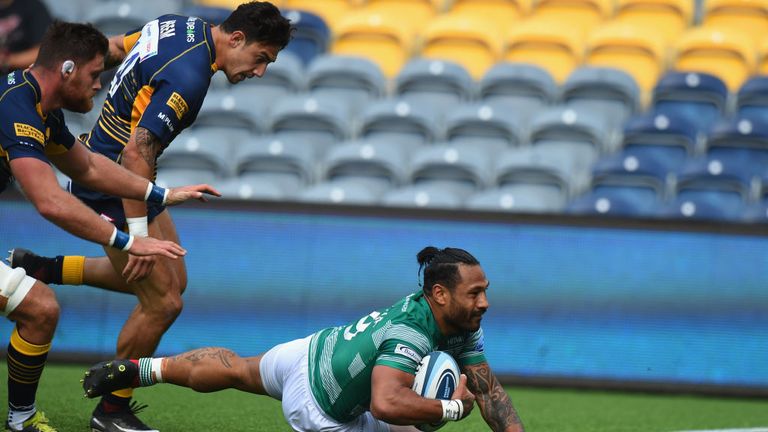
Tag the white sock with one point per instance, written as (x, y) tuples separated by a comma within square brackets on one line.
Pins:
[(17, 417)]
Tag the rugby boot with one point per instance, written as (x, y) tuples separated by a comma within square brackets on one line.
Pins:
[(39, 267), (124, 420), (37, 423), (105, 377)]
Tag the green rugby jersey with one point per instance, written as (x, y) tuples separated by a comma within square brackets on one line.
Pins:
[(341, 359)]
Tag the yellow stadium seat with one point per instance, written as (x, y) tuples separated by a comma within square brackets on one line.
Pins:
[(729, 55), (762, 66), (375, 36), (748, 16), (330, 10), (412, 13), (228, 4), (638, 51), (584, 14), (667, 17), (474, 44), (502, 12), (534, 41)]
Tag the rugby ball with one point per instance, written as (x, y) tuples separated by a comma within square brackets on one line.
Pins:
[(437, 377)]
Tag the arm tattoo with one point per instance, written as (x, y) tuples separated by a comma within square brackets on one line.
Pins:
[(494, 402), (148, 145), (223, 355)]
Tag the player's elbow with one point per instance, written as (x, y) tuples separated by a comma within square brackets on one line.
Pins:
[(48, 208), (384, 411)]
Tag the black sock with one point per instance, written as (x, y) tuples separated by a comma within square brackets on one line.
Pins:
[(25, 365), (111, 403)]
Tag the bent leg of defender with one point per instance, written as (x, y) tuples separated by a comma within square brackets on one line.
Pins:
[(33, 306)]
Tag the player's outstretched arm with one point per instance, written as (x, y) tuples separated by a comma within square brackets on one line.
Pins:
[(97, 172), (116, 52), (494, 402), (39, 184), (394, 402)]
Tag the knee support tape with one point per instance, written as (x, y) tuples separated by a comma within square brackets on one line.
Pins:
[(14, 285)]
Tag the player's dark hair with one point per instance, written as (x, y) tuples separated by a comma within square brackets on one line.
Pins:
[(260, 22), (62, 41), (441, 266)]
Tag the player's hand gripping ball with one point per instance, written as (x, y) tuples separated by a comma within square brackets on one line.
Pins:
[(436, 378)]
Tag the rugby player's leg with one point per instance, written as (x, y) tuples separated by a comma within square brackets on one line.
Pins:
[(34, 308)]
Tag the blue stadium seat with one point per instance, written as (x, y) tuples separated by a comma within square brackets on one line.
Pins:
[(612, 202), (706, 205), (668, 138), (752, 98), (461, 170), (354, 79), (611, 92), (434, 84), (520, 88), (481, 125), (518, 198), (700, 97), (425, 195), (322, 122), (757, 213), (378, 165), (740, 131), (398, 122), (720, 173), (311, 37)]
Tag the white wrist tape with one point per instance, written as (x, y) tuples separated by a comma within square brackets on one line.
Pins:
[(138, 226), (157, 368), (453, 410)]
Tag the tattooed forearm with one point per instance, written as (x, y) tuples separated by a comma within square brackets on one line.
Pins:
[(223, 355), (494, 402), (148, 145)]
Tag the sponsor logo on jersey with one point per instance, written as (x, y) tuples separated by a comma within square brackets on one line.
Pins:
[(178, 104), (167, 29), (408, 352), (166, 120), (25, 130), (190, 30), (11, 78)]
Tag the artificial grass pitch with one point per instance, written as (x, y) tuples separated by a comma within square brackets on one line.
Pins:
[(173, 409)]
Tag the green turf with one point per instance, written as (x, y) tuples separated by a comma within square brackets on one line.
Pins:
[(542, 410)]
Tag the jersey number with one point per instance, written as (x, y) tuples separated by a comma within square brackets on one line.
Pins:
[(365, 322), (144, 48)]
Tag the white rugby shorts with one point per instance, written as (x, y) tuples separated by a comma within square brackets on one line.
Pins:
[(285, 375), (21, 290)]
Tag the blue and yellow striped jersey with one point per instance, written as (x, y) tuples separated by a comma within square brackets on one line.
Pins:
[(160, 85), (25, 131)]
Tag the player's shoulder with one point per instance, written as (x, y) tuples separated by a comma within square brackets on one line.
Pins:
[(18, 98)]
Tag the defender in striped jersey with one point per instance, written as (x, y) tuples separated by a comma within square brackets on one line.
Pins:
[(356, 377)]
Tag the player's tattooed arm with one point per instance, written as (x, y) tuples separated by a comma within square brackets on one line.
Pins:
[(148, 145), (495, 404), (116, 52)]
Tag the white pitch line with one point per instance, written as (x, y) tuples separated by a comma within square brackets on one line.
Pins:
[(760, 429)]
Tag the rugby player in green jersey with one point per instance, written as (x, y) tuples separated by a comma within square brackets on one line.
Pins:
[(356, 377)]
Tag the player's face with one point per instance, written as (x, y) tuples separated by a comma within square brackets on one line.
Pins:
[(468, 300), (81, 85), (250, 60)]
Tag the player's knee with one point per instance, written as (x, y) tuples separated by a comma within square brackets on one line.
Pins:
[(43, 312), (168, 308)]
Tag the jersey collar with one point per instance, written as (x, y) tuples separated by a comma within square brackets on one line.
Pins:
[(28, 77), (211, 48)]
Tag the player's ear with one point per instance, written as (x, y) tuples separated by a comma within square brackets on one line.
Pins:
[(440, 294), (236, 38), (67, 68)]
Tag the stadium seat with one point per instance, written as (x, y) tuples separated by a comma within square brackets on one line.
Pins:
[(377, 165), (612, 202), (518, 198), (458, 169), (235, 110), (321, 122), (328, 10), (69, 10), (425, 195), (533, 166), (211, 14), (756, 213), (274, 168), (743, 140), (341, 191), (114, 17), (752, 98), (606, 90), (399, 123), (668, 138), (747, 16), (480, 125), (502, 12), (699, 97), (581, 15), (639, 182), (196, 150), (582, 135), (434, 84), (311, 36), (668, 18), (283, 77), (519, 88), (762, 58), (533, 41), (355, 80), (412, 14), (380, 38), (725, 53), (714, 206), (637, 51), (473, 43)]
